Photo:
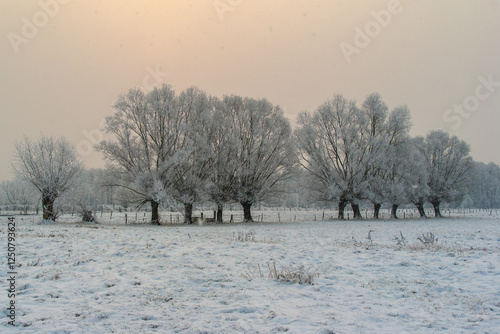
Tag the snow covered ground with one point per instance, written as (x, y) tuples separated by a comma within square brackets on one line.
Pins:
[(75, 278)]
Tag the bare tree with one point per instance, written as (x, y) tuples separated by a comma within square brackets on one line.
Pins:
[(49, 164)]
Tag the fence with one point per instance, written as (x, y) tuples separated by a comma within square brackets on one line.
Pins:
[(272, 215)]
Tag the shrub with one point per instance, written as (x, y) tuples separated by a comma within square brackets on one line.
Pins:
[(244, 236), (428, 239), (298, 275), (401, 240)]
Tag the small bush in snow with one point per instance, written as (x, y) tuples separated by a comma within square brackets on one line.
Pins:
[(428, 239), (244, 236), (401, 240), (250, 237), (298, 275), (88, 216), (369, 238)]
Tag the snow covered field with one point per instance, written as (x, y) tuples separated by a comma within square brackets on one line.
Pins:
[(106, 278)]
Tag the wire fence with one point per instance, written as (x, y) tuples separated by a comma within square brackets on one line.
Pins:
[(270, 215)]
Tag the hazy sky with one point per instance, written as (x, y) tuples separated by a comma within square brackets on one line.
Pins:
[(64, 63)]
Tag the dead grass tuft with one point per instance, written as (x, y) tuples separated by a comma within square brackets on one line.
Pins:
[(299, 275)]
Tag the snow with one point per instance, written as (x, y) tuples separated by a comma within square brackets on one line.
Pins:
[(104, 278)]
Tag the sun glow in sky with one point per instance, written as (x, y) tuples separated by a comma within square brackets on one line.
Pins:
[(64, 63)]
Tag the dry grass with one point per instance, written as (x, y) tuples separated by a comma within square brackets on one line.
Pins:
[(244, 236), (299, 275), (428, 239), (400, 240), (427, 242), (250, 236)]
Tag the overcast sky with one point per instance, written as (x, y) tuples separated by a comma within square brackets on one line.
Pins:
[(64, 63)]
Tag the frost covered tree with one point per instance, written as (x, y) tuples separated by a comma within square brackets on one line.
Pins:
[(417, 175), (21, 194), (85, 198), (376, 133), (467, 202), (485, 187), (221, 183), (81, 200), (399, 143), (262, 150), (334, 149), (406, 180), (149, 132), (51, 165), (96, 177), (388, 136), (167, 144), (449, 165), (194, 162)]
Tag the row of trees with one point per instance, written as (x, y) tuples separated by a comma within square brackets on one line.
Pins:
[(192, 146), (189, 147), (84, 195), (356, 153)]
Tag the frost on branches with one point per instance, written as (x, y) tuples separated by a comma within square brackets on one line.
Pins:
[(354, 154), (262, 155), (148, 131), (449, 165), (51, 165), (193, 147), (334, 150), (20, 193)]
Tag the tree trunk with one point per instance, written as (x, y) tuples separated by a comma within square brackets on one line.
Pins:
[(247, 214), (376, 210), (48, 208), (420, 207), (188, 213), (155, 218), (342, 205), (356, 211), (437, 212), (220, 208), (394, 211)]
